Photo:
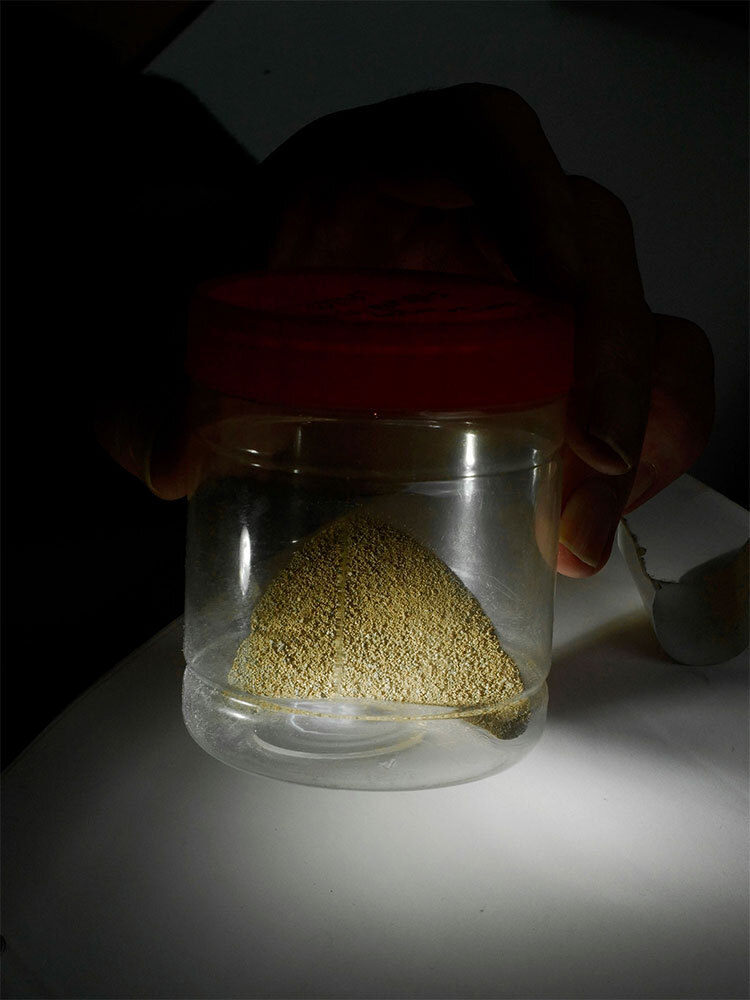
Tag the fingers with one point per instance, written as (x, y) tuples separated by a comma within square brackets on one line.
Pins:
[(520, 189), (609, 403), (474, 145), (678, 428), (369, 179), (614, 337), (171, 473), (485, 142), (149, 439), (682, 407), (592, 504)]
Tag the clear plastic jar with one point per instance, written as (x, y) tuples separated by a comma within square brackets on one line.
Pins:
[(372, 535)]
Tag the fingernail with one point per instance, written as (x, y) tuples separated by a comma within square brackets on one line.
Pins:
[(611, 421), (616, 455), (589, 521), (137, 452), (146, 466), (644, 480)]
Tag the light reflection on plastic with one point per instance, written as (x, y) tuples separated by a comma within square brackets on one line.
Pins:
[(245, 559), (470, 462), (470, 451)]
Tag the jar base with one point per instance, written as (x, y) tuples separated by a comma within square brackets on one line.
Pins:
[(323, 738), (340, 750)]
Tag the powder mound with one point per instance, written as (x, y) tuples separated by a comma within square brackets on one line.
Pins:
[(363, 610)]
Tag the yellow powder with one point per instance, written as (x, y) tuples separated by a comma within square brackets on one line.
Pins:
[(363, 610)]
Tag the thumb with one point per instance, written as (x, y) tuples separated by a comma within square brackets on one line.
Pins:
[(149, 439)]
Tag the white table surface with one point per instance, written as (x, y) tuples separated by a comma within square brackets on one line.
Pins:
[(611, 862)]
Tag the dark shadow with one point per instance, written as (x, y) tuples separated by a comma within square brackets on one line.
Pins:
[(722, 26), (619, 662), (120, 191)]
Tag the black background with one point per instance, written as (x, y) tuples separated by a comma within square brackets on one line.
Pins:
[(119, 193)]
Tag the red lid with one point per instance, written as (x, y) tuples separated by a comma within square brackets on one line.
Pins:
[(379, 340)]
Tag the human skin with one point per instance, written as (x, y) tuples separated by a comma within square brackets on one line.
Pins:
[(460, 180), (464, 181)]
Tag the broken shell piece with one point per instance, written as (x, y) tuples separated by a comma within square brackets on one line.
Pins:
[(702, 618)]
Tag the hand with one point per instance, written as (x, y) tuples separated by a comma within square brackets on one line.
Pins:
[(463, 181)]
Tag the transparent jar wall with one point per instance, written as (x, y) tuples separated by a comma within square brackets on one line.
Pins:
[(481, 492)]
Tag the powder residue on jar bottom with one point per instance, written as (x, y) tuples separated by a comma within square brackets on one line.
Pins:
[(364, 611)]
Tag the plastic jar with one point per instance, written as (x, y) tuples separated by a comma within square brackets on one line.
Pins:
[(372, 531)]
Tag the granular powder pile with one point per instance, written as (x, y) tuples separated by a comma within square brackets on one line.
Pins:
[(363, 610)]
